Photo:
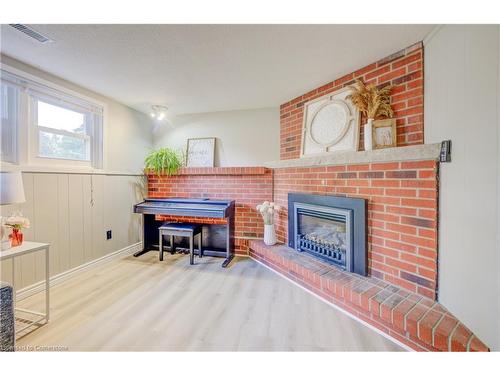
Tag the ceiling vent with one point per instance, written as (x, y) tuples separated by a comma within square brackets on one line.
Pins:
[(31, 33)]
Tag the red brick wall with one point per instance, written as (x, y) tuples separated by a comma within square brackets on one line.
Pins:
[(402, 214), (404, 69), (248, 186)]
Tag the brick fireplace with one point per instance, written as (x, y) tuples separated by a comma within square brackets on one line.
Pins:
[(402, 214), (400, 187)]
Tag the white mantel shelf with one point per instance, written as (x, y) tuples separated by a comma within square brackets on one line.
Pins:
[(394, 154)]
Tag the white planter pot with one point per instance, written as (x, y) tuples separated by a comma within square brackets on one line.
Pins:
[(269, 234), (368, 135)]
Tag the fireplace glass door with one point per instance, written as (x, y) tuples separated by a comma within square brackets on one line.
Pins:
[(324, 232)]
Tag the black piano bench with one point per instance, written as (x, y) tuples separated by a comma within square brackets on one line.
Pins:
[(182, 230)]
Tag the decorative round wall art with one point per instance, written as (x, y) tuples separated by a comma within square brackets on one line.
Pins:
[(331, 123)]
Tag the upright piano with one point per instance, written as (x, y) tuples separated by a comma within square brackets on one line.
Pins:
[(217, 239)]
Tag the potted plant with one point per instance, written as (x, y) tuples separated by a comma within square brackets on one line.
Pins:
[(163, 161), (372, 102), (267, 210)]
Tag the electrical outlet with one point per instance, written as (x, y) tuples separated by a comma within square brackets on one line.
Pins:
[(108, 235)]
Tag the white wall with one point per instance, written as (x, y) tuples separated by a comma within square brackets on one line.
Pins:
[(244, 138), (462, 101)]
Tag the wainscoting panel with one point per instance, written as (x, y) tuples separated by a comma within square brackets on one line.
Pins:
[(63, 222), (45, 220), (125, 227), (97, 228), (76, 219), (27, 265), (87, 218), (72, 212)]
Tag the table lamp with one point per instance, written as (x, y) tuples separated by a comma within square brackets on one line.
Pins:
[(11, 192)]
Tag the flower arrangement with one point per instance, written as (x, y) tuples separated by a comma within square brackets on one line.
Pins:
[(267, 210), (370, 100), (17, 222)]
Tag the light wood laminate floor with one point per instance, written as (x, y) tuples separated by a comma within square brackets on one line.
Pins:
[(141, 304)]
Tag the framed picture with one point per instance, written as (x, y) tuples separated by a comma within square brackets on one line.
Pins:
[(200, 152), (384, 133)]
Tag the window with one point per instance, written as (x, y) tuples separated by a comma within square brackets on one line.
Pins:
[(62, 133), (56, 126)]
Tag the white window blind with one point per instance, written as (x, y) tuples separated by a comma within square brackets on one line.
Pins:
[(9, 109)]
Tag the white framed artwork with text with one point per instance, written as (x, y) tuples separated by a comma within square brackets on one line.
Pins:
[(200, 152)]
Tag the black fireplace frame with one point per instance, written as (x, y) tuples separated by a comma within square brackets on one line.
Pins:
[(358, 208)]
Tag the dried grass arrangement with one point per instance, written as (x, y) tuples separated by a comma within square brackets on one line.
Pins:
[(370, 100)]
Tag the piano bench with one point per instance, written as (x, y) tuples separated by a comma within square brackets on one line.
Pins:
[(182, 230)]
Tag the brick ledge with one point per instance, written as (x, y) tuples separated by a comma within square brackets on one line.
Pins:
[(223, 171), (393, 154), (416, 321)]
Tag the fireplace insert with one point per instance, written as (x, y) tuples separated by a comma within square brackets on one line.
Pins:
[(330, 228)]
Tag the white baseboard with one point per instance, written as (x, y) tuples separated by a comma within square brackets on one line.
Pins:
[(59, 278), (390, 338)]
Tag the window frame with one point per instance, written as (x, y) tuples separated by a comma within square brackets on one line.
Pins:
[(36, 129), (35, 88)]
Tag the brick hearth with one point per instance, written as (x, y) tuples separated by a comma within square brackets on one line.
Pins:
[(417, 321)]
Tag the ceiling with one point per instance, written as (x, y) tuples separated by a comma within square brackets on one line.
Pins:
[(206, 68)]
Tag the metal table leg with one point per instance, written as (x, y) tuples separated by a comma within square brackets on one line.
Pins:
[(14, 294), (47, 285)]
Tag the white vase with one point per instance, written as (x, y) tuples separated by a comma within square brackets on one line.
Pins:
[(269, 234), (368, 135)]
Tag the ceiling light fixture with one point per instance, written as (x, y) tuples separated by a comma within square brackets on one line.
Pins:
[(159, 112)]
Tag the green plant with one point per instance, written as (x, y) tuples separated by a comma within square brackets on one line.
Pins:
[(163, 161)]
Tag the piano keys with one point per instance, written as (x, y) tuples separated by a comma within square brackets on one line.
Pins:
[(218, 239)]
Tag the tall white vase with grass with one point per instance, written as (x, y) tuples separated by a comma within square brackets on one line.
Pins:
[(269, 235), (267, 210), (368, 135)]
